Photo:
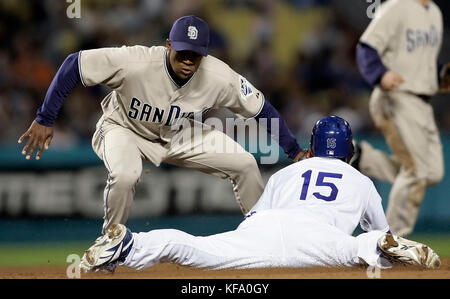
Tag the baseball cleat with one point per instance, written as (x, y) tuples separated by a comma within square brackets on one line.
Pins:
[(404, 251), (108, 250)]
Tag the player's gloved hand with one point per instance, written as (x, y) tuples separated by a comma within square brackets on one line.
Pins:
[(445, 79), (390, 80), (300, 156), (38, 136)]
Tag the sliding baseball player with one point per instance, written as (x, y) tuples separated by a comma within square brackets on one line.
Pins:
[(305, 217)]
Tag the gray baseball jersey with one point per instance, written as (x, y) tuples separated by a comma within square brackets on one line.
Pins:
[(408, 36), (146, 100)]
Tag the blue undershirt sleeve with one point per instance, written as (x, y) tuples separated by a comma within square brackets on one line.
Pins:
[(370, 64), (67, 77), (284, 137)]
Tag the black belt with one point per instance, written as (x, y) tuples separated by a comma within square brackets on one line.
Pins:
[(425, 98)]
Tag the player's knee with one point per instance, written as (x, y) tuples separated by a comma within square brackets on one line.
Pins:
[(435, 176), (246, 163), (125, 179)]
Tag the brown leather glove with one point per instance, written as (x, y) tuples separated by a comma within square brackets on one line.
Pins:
[(300, 156), (445, 78)]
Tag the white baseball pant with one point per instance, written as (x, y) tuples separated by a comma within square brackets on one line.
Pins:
[(271, 238)]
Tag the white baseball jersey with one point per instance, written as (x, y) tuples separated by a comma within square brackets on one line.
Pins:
[(304, 218), (326, 189), (408, 36), (146, 100)]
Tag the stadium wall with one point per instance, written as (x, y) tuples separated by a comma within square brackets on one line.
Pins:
[(70, 183)]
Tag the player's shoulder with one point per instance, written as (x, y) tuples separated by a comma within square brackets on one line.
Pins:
[(216, 68), (128, 54), (391, 4), (404, 6), (437, 10), (297, 167), (356, 174), (392, 7), (433, 5), (213, 64), (335, 166), (139, 53)]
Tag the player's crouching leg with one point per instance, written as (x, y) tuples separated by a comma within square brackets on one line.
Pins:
[(246, 178), (435, 175), (125, 179), (118, 195)]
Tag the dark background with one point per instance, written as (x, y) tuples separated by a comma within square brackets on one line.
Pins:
[(300, 53)]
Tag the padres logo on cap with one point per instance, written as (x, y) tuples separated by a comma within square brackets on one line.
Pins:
[(192, 32)]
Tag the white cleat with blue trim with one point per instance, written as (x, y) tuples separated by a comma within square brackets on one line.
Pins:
[(108, 250)]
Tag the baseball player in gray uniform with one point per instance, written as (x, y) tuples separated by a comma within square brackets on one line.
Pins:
[(153, 88), (398, 56)]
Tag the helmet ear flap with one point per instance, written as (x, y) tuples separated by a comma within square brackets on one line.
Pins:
[(352, 147), (352, 151), (311, 140)]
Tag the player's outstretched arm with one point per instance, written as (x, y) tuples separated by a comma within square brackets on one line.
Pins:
[(39, 136), (40, 132), (246, 101), (284, 136)]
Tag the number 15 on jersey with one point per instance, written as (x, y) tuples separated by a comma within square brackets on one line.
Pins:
[(320, 182)]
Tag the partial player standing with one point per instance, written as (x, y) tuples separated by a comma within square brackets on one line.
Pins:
[(305, 217), (152, 89), (398, 56)]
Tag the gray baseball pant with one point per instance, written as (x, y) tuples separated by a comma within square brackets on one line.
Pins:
[(211, 152), (408, 125)]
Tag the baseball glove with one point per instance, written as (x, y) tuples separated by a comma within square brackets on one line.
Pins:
[(301, 155), (445, 78)]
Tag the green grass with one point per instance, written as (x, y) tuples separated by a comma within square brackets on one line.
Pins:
[(440, 243), (34, 254)]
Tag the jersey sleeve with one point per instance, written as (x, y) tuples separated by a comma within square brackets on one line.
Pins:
[(242, 98), (374, 217), (384, 27), (103, 66)]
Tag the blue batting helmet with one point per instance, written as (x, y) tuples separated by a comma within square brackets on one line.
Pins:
[(332, 137)]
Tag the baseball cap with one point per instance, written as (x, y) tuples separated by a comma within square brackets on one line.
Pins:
[(190, 33)]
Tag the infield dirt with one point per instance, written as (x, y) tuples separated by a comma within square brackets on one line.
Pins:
[(172, 271)]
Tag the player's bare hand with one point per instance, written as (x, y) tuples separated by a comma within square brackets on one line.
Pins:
[(39, 137), (391, 80)]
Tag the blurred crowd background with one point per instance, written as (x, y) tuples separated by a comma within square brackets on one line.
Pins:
[(300, 53)]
